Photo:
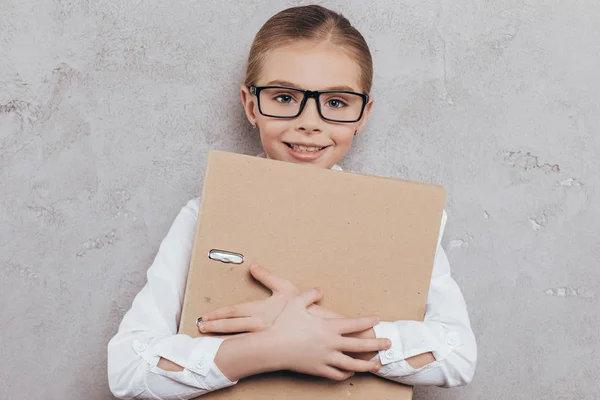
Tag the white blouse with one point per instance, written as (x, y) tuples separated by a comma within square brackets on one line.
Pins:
[(149, 331)]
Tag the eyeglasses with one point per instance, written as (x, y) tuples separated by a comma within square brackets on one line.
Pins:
[(288, 102)]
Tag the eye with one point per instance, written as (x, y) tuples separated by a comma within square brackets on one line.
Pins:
[(336, 103), (284, 98)]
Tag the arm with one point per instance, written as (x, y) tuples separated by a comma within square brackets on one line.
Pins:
[(439, 351), (144, 354), (417, 361), (444, 337), (258, 315), (148, 359)]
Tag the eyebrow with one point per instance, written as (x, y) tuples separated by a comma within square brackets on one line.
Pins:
[(290, 84)]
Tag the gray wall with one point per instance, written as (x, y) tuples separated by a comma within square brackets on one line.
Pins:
[(108, 108)]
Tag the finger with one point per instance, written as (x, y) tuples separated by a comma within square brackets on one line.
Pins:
[(355, 345), (237, 311), (232, 325), (271, 281), (351, 325), (347, 363), (335, 374), (310, 296), (321, 312)]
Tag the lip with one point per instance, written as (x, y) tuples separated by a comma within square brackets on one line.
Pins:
[(306, 155)]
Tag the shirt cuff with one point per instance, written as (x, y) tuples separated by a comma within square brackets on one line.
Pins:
[(202, 362), (195, 355), (411, 338)]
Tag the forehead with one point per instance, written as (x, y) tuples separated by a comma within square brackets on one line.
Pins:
[(311, 66)]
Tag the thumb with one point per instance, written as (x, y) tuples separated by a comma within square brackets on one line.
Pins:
[(271, 281), (310, 296)]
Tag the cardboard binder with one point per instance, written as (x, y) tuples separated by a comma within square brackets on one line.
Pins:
[(368, 241)]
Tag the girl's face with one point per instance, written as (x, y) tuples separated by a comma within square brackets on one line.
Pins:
[(311, 67)]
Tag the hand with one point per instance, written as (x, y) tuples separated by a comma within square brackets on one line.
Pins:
[(321, 312), (316, 346), (258, 315), (253, 316)]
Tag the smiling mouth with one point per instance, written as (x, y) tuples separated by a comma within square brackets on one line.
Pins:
[(307, 149)]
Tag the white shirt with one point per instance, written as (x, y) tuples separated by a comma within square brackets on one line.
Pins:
[(149, 331)]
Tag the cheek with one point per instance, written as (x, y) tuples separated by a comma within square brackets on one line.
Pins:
[(272, 129), (343, 137), (269, 133)]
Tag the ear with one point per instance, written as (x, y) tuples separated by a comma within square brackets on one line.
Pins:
[(249, 103), (366, 114)]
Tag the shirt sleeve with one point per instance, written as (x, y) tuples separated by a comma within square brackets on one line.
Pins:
[(445, 332), (149, 329)]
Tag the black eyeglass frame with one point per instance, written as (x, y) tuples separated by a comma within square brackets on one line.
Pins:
[(315, 94)]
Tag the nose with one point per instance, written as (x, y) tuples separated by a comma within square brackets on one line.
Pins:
[(309, 120)]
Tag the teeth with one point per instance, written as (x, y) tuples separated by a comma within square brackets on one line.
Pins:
[(304, 148)]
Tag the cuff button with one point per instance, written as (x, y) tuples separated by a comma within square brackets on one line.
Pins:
[(140, 347), (452, 339), (389, 354)]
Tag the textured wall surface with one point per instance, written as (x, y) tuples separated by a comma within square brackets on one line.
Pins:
[(108, 108)]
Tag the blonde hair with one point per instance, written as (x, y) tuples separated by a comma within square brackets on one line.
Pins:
[(309, 23)]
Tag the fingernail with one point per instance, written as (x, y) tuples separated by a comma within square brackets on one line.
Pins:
[(388, 343)]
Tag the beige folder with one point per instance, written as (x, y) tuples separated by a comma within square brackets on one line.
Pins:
[(369, 242)]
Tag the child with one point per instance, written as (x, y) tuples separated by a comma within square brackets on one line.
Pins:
[(307, 92)]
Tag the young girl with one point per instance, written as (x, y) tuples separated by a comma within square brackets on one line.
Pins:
[(307, 91)]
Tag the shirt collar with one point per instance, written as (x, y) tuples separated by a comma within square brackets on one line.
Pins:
[(335, 167)]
